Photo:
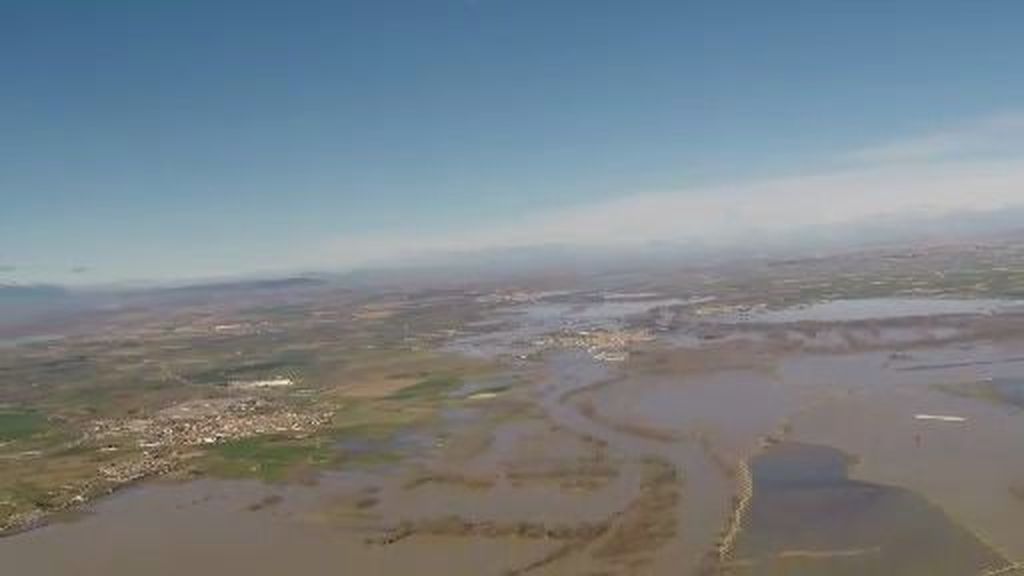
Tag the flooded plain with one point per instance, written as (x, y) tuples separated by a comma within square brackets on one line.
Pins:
[(208, 527), (877, 309), (776, 447)]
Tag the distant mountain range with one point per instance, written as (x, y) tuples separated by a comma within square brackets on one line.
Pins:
[(23, 304)]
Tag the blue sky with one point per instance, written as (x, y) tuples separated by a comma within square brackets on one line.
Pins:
[(168, 140)]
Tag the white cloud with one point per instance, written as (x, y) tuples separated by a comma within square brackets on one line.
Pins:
[(978, 167), (987, 136)]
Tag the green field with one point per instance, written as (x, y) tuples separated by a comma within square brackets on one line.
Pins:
[(17, 425)]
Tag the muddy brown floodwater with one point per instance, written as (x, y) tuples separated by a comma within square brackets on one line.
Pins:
[(210, 527), (809, 518)]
